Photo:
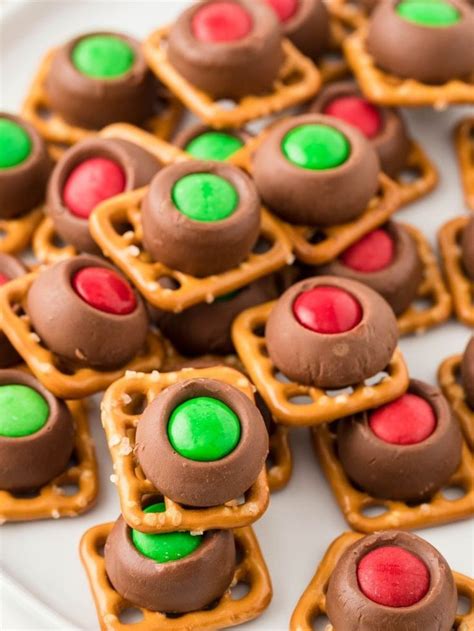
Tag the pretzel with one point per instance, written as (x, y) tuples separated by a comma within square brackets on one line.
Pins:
[(332, 63), (318, 405), (312, 603), (126, 251), (55, 130), (386, 89), (351, 13), (15, 234), (120, 415), (453, 390), (77, 384), (425, 175), (398, 515), (418, 320), (461, 287), (298, 81), (464, 141), (251, 570), (51, 501), (47, 246)]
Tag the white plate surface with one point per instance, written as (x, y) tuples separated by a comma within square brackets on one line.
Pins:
[(43, 585)]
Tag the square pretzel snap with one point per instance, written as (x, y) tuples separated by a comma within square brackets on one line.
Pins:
[(386, 89), (55, 130), (127, 252), (312, 603), (359, 507), (464, 142), (76, 384), (295, 404), (16, 234), (436, 304), (228, 611), (448, 378), (53, 499), (122, 407), (298, 81), (461, 287)]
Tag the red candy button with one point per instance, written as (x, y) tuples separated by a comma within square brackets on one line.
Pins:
[(104, 290), (393, 577), (327, 310), (372, 253), (357, 112), (3, 279), (406, 421), (221, 22), (285, 9), (90, 183)]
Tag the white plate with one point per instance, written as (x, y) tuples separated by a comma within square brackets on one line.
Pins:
[(49, 589)]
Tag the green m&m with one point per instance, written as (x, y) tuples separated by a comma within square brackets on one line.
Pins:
[(15, 144), (165, 547), (430, 13), (205, 197), (103, 56), (23, 411), (214, 145), (204, 429), (316, 147)]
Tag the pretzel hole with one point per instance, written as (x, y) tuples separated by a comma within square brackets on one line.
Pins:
[(263, 245), (100, 548), (409, 175), (341, 392), (3, 234), (331, 57), (130, 615), (291, 78), (168, 282), (258, 330), (422, 304), (321, 623), (453, 492), (300, 399), (332, 428), (374, 510), (58, 241), (133, 403), (123, 227), (279, 376), (73, 460), (69, 489), (316, 236), (464, 605), (376, 379), (44, 112), (62, 365), (240, 590)]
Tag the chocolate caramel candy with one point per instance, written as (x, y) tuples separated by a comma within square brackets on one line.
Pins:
[(202, 443), (467, 373), (10, 268), (227, 48), (316, 170), (467, 246), (87, 314), (36, 433)]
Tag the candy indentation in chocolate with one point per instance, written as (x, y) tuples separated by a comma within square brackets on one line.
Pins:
[(374, 252), (393, 577), (90, 183), (430, 13), (214, 145), (23, 411), (221, 22), (103, 289), (103, 56), (165, 547), (316, 147), (285, 9), (15, 144), (204, 429), (358, 112), (327, 310), (205, 197), (407, 421)]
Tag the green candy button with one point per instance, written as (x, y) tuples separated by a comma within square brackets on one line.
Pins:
[(204, 429), (103, 56), (23, 411), (316, 147), (205, 197), (433, 13), (214, 145), (165, 547), (15, 144)]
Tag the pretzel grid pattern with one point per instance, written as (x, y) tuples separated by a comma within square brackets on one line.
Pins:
[(313, 601), (318, 406), (52, 501), (127, 252), (432, 289), (386, 89), (298, 81), (120, 424), (54, 129), (82, 382), (398, 515), (464, 141), (461, 287), (227, 612), (15, 234), (453, 390)]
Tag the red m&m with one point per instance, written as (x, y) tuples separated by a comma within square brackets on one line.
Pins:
[(407, 421), (327, 310), (358, 112), (285, 9), (104, 290), (221, 22), (3, 279), (374, 252)]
